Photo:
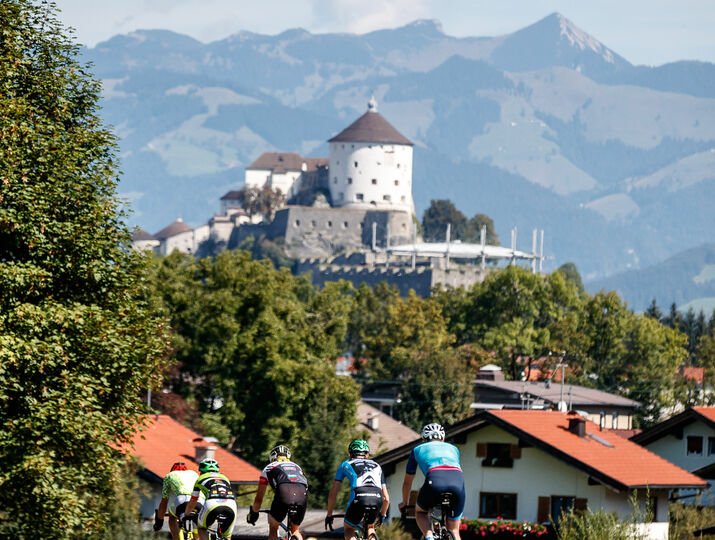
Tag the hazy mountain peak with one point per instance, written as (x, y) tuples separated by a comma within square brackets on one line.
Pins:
[(583, 40), (429, 25)]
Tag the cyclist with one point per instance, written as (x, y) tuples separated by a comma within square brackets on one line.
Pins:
[(290, 487), (219, 500), (175, 494), (368, 493), (439, 462)]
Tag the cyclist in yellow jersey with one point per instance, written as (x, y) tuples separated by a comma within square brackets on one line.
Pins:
[(219, 501), (175, 494)]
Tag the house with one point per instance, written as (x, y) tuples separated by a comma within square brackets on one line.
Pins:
[(528, 465), (492, 391), (688, 440), (142, 240), (165, 441), (383, 432), (281, 170)]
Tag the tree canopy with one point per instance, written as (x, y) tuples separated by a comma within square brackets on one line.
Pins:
[(79, 342)]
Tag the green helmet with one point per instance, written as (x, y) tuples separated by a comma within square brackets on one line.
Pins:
[(358, 446), (208, 465)]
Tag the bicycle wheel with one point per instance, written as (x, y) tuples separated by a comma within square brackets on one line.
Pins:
[(445, 534)]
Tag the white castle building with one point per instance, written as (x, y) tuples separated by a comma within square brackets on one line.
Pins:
[(371, 165)]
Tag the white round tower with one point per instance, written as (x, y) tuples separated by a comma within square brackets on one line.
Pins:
[(371, 165)]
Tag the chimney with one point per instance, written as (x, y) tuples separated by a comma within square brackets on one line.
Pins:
[(577, 426), (373, 422), (205, 452)]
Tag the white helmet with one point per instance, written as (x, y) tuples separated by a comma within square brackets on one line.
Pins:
[(279, 451), (433, 431)]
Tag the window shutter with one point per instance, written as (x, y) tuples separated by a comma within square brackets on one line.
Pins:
[(481, 450), (580, 506), (515, 451), (544, 509)]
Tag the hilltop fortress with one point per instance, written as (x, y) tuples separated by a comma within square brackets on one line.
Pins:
[(345, 215), (361, 193)]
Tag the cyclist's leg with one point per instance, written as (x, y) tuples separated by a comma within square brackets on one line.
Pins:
[(349, 532), (273, 526)]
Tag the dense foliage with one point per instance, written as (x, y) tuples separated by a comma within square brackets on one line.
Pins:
[(443, 212), (79, 343)]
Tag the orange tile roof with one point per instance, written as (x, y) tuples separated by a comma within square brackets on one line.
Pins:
[(619, 462), (165, 441), (696, 374), (707, 412)]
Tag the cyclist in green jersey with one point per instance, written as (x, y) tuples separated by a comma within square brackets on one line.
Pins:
[(175, 494), (219, 500)]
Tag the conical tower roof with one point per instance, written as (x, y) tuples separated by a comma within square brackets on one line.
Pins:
[(175, 228), (371, 127)]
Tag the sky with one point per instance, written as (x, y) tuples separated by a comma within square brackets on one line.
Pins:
[(651, 32)]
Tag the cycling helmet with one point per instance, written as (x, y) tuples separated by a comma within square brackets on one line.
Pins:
[(179, 466), (208, 465), (433, 431), (358, 446), (279, 451)]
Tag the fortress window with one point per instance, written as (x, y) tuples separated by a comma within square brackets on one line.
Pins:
[(335, 180), (356, 163), (374, 181), (313, 223), (397, 182), (402, 198), (398, 165), (342, 146), (340, 196), (297, 223), (359, 196), (350, 180), (345, 224), (352, 146), (404, 226), (330, 224), (386, 198)]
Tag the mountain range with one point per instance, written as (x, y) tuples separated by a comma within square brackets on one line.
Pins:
[(542, 128)]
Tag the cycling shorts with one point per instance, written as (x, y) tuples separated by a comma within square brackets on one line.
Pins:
[(218, 512), (366, 502), (177, 505), (287, 495), (437, 482)]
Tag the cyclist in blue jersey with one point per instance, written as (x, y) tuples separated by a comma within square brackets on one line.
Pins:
[(439, 462), (368, 492)]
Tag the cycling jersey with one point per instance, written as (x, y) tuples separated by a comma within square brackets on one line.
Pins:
[(360, 472), (282, 472), (432, 455), (213, 485), (178, 483)]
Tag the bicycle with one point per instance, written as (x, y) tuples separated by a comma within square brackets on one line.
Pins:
[(187, 528), (361, 529), (439, 524), (292, 512)]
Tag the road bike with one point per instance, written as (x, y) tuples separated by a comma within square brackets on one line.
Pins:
[(293, 511), (361, 529), (187, 527), (438, 522)]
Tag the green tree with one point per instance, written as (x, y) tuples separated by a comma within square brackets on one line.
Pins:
[(79, 342), (474, 228), (571, 273), (255, 345), (653, 311), (442, 212), (261, 201)]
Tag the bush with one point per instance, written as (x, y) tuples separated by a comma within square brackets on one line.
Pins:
[(686, 518), (499, 528)]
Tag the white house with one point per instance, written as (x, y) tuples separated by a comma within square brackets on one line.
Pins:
[(529, 465), (371, 165), (688, 440), (280, 170)]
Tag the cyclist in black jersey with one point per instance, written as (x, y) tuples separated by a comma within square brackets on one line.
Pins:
[(290, 489)]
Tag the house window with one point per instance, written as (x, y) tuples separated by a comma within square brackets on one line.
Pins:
[(502, 505), (359, 196), (350, 180), (397, 182), (695, 445), (386, 198), (497, 454), (711, 446), (560, 506), (374, 181), (356, 164)]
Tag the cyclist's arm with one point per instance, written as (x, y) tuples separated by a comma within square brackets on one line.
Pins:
[(385, 501), (258, 500), (406, 487), (333, 495)]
